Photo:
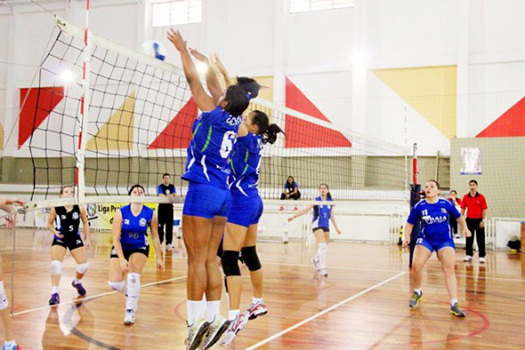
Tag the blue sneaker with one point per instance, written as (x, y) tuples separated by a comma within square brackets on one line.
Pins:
[(79, 287), (5, 347), (55, 299)]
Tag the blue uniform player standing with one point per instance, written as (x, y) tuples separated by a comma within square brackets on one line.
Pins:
[(245, 213), (435, 235), (208, 198), (131, 249), (321, 226)]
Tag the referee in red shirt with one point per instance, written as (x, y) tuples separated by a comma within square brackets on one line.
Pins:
[(476, 206)]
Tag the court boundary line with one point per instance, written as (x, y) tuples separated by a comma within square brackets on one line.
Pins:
[(407, 271), (95, 296), (325, 311)]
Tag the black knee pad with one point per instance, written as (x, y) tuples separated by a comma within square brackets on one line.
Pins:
[(230, 266), (249, 254)]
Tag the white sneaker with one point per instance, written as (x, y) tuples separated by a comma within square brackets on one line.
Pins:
[(317, 264), (235, 327), (195, 333), (169, 247), (467, 258), (215, 332), (324, 272), (482, 260), (129, 319)]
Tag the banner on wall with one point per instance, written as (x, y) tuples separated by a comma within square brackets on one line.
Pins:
[(470, 161), (101, 216)]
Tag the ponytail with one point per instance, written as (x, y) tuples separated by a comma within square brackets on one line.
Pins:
[(269, 132)]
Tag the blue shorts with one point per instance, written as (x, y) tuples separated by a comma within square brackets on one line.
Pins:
[(206, 201), (436, 245), (245, 211)]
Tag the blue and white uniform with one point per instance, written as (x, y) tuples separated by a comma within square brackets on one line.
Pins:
[(207, 170), (321, 218), (245, 163), (435, 233), (134, 231)]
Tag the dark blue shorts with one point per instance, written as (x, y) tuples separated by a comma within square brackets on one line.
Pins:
[(206, 201), (436, 245), (245, 211)]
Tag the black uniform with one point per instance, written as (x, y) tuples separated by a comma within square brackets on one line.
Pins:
[(67, 223), (166, 214)]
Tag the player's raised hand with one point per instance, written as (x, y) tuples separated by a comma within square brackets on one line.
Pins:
[(177, 40)]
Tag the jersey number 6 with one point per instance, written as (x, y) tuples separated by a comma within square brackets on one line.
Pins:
[(227, 143)]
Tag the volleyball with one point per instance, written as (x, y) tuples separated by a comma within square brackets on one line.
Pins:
[(155, 49)]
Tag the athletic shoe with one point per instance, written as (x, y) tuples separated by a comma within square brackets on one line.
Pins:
[(129, 319), (482, 260), (324, 272), (55, 299), (5, 347), (456, 311), (79, 287), (414, 301), (169, 247), (195, 333), (317, 264), (467, 258), (235, 327), (257, 309), (215, 332)]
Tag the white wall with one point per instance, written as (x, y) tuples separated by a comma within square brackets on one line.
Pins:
[(315, 50)]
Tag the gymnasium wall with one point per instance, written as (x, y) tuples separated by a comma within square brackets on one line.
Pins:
[(401, 71), (503, 166)]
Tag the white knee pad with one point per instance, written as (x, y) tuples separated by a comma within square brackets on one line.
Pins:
[(82, 268), (323, 247), (3, 297), (56, 267), (118, 286)]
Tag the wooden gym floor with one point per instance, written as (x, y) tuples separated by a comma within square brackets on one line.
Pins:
[(362, 304)]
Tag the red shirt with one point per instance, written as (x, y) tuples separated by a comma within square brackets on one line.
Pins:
[(474, 205)]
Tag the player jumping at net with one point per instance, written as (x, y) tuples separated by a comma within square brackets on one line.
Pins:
[(435, 235), (321, 226), (10, 221), (64, 223), (208, 199), (246, 210), (131, 249)]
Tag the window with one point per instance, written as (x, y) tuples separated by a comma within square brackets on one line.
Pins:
[(169, 13), (318, 5)]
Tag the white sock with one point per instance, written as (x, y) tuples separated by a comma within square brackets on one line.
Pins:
[(54, 289), (133, 291), (232, 314), (418, 291), (193, 310), (323, 248), (201, 312), (9, 345), (212, 310), (256, 300), (453, 301)]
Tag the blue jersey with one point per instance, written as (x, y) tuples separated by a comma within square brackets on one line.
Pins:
[(214, 134), (434, 219), (134, 231), (245, 163), (322, 215)]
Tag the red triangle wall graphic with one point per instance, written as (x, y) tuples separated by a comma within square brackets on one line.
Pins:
[(178, 132), (39, 104), (509, 124), (303, 134)]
